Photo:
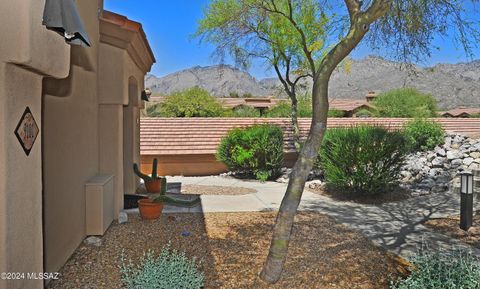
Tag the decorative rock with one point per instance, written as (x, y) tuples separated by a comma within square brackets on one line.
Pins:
[(122, 217), (454, 154), (456, 162), (431, 156), (438, 162), (92, 240), (439, 188), (475, 155), (439, 151), (315, 184), (468, 161)]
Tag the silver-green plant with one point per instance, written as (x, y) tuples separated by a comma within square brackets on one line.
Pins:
[(170, 269), (458, 269)]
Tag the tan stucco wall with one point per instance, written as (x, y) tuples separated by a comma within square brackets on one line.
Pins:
[(61, 86), (119, 137), (3, 170), (26, 54), (71, 147), (21, 185)]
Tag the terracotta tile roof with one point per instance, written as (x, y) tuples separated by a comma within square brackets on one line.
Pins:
[(177, 136), (459, 111), (348, 105)]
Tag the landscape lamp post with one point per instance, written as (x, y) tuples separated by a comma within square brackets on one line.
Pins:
[(466, 200)]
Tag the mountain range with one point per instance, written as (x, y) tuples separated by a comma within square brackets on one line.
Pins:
[(451, 84)]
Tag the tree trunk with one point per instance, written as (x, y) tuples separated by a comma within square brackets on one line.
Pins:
[(281, 234), (359, 25), (295, 126)]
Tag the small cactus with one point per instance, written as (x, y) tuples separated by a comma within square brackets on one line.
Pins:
[(168, 200), (164, 186), (145, 177)]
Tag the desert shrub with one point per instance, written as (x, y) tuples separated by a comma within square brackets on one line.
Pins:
[(234, 94), (170, 269), (364, 113), (284, 108), (423, 134), (362, 159), (245, 111), (475, 115), (257, 150), (405, 102), (336, 113), (450, 270), (193, 102), (153, 110)]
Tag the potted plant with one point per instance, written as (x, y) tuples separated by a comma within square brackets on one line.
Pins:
[(151, 208), (153, 183)]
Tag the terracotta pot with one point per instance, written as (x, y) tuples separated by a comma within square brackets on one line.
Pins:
[(149, 210), (154, 186)]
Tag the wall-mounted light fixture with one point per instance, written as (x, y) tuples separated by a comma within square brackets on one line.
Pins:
[(146, 94)]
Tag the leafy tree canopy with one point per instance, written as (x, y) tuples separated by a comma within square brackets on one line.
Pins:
[(406, 102), (193, 102)]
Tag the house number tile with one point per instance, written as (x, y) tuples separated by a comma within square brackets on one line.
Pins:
[(27, 131)]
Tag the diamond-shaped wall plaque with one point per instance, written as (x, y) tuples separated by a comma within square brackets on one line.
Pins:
[(27, 131)]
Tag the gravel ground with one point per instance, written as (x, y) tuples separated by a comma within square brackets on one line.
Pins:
[(232, 248), (397, 195), (450, 226), (216, 190)]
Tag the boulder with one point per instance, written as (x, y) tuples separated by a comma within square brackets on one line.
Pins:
[(439, 151), (454, 154), (468, 161)]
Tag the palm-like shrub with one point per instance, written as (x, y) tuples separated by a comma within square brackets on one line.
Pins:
[(451, 270), (256, 150), (405, 102), (193, 102), (362, 159), (170, 269), (423, 134)]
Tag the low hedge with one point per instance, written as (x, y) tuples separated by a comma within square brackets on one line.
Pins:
[(256, 150)]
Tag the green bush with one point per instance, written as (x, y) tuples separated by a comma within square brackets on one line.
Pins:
[(433, 269), (256, 150), (336, 113), (423, 134), (475, 115), (170, 269), (245, 111), (362, 159), (153, 110), (405, 102), (193, 102), (364, 113), (284, 108)]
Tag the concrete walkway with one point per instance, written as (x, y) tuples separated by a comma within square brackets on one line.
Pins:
[(397, 226)]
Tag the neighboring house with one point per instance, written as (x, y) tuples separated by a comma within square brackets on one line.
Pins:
[(350, 107), (69, 123), (187, 146), (461, 112)]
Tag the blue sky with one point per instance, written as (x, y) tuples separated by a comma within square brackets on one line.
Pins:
[(169, 25)]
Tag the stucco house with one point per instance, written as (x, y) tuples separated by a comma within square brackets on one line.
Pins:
[(69, 127)]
